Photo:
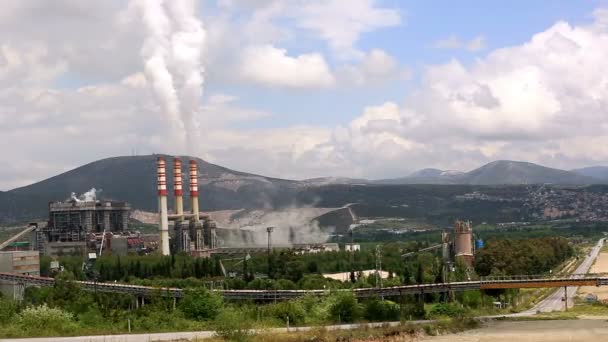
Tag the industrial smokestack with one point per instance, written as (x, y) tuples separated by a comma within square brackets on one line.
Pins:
[(162, 206), (177, 184), (194, 189)]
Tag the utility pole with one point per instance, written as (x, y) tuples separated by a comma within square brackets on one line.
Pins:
[(378, 267), (352, 251), (566, 297), (269, 231)]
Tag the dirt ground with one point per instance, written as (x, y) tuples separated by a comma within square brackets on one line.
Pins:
[(532, 331), (600, 266)]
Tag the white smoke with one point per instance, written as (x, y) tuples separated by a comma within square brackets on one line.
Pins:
[(172, 53), (291, 226), (89, 196)]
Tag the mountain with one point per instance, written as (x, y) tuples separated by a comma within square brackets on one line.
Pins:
[(515, 172), (321, 181), (427, 173), (598, 172), (501, 172), (133, 179)]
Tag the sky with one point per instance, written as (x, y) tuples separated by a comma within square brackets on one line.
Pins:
[(303, 88)]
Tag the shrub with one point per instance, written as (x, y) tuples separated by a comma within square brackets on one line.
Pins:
[(232, 325), (381, 310), (42, 319), (345, 308), (200, 304), (293, 309), (445, 309), (8, 309)]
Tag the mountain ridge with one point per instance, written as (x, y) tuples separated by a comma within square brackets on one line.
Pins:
[(133, 179)]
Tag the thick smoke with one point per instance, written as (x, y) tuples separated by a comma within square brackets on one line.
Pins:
[(172, 53), (89, 196), (291, 226)]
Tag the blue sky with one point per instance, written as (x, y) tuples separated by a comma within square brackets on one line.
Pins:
[(304, 88), (501, 23)]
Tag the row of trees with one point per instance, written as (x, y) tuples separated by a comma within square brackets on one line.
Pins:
[(529, 256), (175, 266)]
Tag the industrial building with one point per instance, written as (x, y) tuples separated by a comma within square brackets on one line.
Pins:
[(18, 262), (72, 224), (194, 233), (463, 242)]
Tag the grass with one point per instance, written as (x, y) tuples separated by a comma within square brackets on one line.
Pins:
[(365, 333)]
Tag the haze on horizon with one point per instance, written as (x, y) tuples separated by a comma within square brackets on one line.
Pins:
[(302, 89)]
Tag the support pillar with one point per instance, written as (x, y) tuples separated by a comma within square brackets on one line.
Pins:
[(566, 297)]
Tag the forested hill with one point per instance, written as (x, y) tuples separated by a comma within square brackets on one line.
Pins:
[(133, 179)]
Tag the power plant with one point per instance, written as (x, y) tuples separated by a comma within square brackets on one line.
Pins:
[(456, 245), (194, 233), (74, 223)]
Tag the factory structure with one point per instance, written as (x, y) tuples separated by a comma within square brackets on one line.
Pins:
[(456, 245), (194, 233), (463, 242), (75, 226)]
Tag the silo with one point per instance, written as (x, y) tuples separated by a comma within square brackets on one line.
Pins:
[(463, 242)]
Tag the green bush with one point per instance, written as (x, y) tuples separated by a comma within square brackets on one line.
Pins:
[(200, 304), (43, 320), (445, 309), (293, 309), (345, 308), (232, 325), (8, 309), (381, 310)]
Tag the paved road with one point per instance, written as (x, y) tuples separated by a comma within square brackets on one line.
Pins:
[(554, 301)]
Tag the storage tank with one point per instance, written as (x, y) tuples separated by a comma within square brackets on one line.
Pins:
[(463, 242)]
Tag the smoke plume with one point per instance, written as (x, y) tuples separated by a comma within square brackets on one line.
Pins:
[(172, 53), (89, 196), (291, 226)]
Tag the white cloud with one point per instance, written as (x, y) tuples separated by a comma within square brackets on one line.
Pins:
[(271, 66), (544, 100), (376, 67), (341, 22), (455, 42)]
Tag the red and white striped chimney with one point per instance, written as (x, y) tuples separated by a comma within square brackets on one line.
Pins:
[(194, 189), (162, 205), (177, 185)]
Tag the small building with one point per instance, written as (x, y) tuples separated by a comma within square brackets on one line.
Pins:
[(352, 247), (18, 262)]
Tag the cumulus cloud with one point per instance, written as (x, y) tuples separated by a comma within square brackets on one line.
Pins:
[(272, 66), (341, 22), (376, 67), (68, 97), (455, 42), (540, 101)]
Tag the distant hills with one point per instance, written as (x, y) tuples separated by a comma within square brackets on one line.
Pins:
[(133, 179), (505, 172), (597, 172)]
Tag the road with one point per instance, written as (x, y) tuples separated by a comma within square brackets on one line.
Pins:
[(554, 301)]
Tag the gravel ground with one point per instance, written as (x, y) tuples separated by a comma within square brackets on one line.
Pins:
[(532, 331)]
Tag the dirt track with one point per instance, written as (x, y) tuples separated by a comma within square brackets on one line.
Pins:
[(600, 266), (533, 331)]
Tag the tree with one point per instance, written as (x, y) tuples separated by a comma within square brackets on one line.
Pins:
[(200, 304), (345, 308)]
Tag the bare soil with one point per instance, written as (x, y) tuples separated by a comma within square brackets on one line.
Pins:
[(600, 266), (532, 331)]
